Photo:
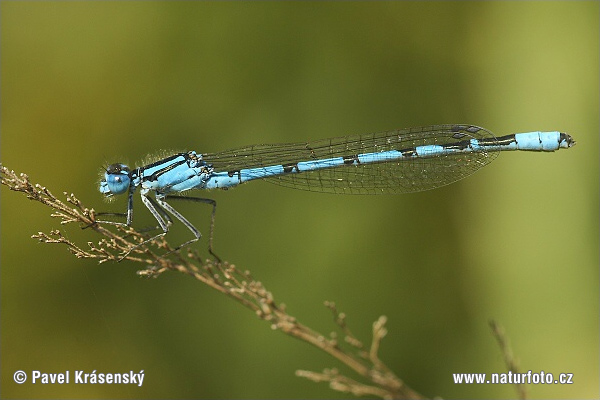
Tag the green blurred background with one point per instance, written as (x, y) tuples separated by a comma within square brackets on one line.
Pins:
[(89, 83)]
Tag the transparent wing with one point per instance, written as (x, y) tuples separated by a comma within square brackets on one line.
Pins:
[(398, 176)]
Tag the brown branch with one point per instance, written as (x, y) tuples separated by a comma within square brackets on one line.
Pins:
[(509, 360), (225, 278)]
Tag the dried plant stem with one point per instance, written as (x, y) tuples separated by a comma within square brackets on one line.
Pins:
[(226, 278), (509, 360)]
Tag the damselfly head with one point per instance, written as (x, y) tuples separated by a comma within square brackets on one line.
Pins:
[(116, 180)]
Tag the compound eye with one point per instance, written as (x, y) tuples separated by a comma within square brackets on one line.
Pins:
[(116, 179)]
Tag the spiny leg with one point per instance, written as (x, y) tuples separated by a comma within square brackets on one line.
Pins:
[(212, 202), (112, 214), (128, 215), (158, 215), (162, 212)]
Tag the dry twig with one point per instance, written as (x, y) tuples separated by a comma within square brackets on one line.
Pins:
[(509, 360)]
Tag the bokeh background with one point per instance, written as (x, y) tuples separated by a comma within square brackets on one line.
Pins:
[(90, 83)]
